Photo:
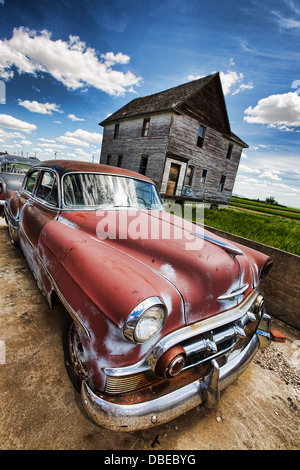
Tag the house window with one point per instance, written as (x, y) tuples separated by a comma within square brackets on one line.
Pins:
[(143, 164), (201, 135), (116, 131), (189, 175), (229, 151), (146, 127), (120, 158), (222, 182), (108, 159), (204, 175)]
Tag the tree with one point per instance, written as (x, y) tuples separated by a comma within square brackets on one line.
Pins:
[(271, 200)]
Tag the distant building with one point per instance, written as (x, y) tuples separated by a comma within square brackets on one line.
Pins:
[(180, 138)]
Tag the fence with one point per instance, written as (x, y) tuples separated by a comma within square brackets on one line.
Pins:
[(281, 288)]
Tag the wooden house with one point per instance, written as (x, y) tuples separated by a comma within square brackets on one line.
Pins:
[(180, 138)]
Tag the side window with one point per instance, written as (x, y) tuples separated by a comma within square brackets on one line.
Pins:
[(201, 136), (47, 189), (146, 127), (30, 181)]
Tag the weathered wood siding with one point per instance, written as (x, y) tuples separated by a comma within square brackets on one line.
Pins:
[(174, 136), (132, 146), (212, 156)]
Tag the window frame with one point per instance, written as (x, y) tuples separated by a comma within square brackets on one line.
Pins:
[(204, 175), (143, 168), (116, 131), (229, 151), (222, 183), (28, 175), (190, 176), (38, 186), (146, 127), (201, 138), (120, 161)]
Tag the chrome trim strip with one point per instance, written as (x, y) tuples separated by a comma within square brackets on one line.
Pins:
[(229, 248), (234, 293)]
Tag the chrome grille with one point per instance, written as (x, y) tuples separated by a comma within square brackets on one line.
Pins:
[(117, 385), (199, 349)]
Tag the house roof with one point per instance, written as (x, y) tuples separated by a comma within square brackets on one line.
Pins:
[(162, 101), (173, 99)]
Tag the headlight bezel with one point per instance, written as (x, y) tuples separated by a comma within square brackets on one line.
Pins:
[(138, 314)]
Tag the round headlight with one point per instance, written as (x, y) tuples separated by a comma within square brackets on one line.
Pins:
[(145, 321), (149, 323)]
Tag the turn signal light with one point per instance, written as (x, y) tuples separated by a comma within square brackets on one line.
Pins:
[(171, 362)]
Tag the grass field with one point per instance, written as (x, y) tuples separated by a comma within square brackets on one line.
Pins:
[(271, 225)]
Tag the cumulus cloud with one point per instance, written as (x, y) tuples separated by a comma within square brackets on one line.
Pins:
[(70, 62), (12, 123), (40, 108), (74, 118), (232, 82), (81, 138), (247, 169), (281, 111)]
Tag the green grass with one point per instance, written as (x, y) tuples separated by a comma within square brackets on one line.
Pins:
[(282, 211), (277, 231)]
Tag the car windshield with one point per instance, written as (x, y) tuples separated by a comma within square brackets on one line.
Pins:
[(19, 168), (98, 190)]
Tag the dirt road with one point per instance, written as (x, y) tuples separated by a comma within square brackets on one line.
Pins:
[(40, 410)]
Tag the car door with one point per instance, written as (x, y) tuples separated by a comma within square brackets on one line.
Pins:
[(38, 208), (16, 203)]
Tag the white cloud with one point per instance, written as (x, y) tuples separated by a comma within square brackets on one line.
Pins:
[(12, 123), (270, 175), (247, 169), (11, 135), (72, 63), (74, 118), (287, 23), (232, 82), (110, 58), (41, 108), (281, 111), (81, 138), (25, 142), (72, 141), (46, 140)]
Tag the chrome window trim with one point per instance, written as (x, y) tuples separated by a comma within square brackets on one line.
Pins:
[(65, 207), (34, 197)]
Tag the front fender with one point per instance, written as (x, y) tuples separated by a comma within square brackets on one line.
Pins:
[(102, 285)]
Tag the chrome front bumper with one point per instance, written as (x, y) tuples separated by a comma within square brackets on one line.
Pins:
[(160, 410)]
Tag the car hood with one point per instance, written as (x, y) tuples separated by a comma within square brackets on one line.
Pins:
[(205, 269)]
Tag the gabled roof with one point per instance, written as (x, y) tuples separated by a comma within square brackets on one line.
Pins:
[(179, 99), (162, 101)]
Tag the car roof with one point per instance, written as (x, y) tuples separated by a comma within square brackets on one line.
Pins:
[(68, 166), (18, 159)]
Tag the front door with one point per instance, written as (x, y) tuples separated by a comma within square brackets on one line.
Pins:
[(173, 179)]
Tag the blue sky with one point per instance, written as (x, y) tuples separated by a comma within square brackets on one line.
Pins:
[(67, 64)]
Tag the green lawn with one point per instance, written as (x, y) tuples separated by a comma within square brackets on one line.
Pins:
[(278, 231)]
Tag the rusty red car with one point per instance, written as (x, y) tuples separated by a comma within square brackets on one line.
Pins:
[(161, 316)]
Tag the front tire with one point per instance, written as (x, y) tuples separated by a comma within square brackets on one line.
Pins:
[(74, 354)]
